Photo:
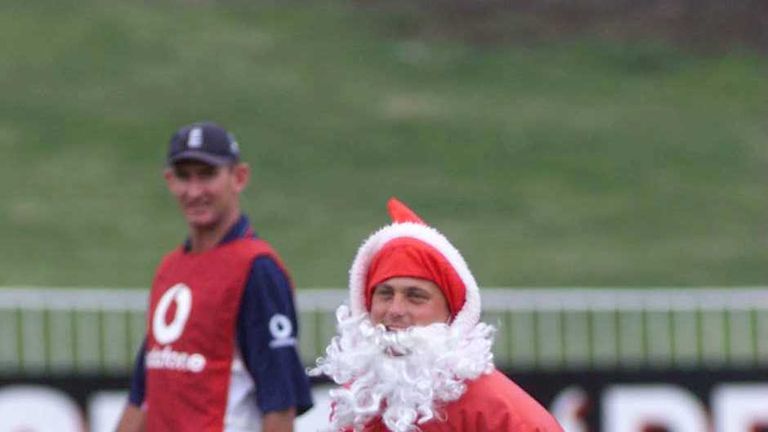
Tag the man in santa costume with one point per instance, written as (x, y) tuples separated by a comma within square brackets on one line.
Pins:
[(411, 353)]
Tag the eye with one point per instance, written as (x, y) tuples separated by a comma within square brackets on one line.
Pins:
[(383, 292), (208, 172), (181, 174), (418, 295)]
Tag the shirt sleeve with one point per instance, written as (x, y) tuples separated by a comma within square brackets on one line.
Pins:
[(138, 382), (268, 337)]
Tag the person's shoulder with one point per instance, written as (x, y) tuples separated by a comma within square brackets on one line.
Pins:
[(493, 390), (496, 396), (264, 258), (176, 251), (266, 263), (255, 247), (269, 267), (170, 256), (248, 250)]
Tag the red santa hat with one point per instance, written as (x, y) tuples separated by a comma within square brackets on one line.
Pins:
[(410, 248)]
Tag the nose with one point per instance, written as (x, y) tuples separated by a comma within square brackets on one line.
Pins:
[(397, 310), (194, 188)]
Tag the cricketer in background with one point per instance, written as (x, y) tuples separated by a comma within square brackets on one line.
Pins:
[(220, 352)]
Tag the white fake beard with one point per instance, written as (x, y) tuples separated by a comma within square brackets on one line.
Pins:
[(402, 376)]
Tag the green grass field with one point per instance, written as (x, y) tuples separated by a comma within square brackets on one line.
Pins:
[(570, 163)]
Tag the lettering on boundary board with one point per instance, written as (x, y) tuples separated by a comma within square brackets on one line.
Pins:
[(618, 401), (664, 401)]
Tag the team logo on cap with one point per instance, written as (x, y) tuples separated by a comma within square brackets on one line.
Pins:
[(195, 138)]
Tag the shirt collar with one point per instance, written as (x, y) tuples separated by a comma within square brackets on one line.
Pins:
[(241, 229)]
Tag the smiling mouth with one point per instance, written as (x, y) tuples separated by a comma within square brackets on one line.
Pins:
[(196, 208)]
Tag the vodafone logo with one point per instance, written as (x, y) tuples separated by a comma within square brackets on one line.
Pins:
[(281, 328), (166, 333)]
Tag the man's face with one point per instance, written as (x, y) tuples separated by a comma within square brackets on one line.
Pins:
[(402, 302), (207, 194)]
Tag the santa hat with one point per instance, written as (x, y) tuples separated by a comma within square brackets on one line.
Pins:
[(410, 248)]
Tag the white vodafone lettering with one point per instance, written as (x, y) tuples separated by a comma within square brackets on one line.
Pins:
[(280, 328), (169, 359), (167, 333)]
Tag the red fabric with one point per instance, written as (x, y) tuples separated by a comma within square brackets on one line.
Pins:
[(400, 213), (180, 399), (492, 403), (408, 257)]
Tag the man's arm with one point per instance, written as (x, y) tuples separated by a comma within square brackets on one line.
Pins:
[(278, 421), (132, 419), (267, 332)]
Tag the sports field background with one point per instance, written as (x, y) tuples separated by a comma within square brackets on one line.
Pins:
[(575, 160)]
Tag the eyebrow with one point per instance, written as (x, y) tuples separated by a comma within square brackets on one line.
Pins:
[(407, 288), (187, 170), (416, 289)]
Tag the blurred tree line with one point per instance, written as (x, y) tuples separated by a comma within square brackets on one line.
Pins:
[(704, 25)]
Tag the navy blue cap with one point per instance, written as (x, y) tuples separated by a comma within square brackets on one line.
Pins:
[(205, 142)]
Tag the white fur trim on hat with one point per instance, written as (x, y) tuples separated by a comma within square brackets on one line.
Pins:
[(465, 319)]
